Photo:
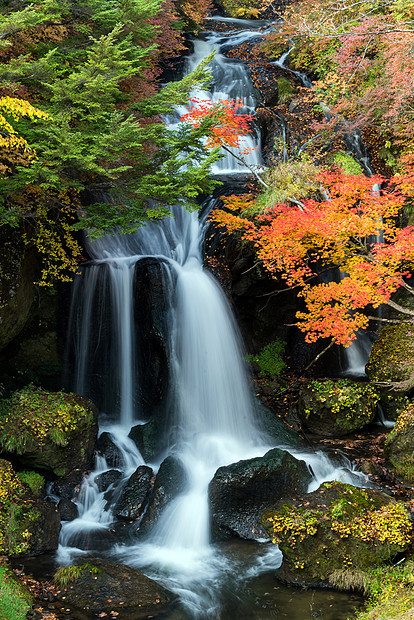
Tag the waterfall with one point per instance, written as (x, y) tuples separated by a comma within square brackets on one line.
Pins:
[(231, 81), (211, 411)]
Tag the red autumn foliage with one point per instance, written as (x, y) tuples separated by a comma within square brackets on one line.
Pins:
[(353, 230), (227, 125)]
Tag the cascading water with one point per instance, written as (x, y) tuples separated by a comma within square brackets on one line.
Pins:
[(231, 81), (211, 417)]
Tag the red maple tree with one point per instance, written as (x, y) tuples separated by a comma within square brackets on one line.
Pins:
[(352, 230)]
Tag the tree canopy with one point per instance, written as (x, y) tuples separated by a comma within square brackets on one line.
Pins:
[(83, 143), (351, 230)]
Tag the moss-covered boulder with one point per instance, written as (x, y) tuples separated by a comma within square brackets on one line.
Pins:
[(27, 524), (336, 408), (338, 526), (391, 363), (399, 445), (50, 431), (101, 588), (240, 492)]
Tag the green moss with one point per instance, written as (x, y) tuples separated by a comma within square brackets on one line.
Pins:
[(346, 527), (294, 179), (70, 574), (33, 416), (285, 90), (15, 601), (346, 163), (35, 481), (392, 354), (391, 592), (350, 402), (270, 358), (17, 514)]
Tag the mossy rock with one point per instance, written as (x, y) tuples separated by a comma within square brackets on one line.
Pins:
[(392, 361), (101, 587), (336, 408), (399, 445), (27, 524), (50, 431), (338, 526)]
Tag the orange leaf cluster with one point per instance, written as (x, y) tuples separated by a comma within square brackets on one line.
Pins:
[(227, 125), (353, 230)]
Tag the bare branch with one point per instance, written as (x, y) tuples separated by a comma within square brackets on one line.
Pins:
[(243, 161)]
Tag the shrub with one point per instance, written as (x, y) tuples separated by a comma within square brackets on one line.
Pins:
[(270, 358), (14, 600)]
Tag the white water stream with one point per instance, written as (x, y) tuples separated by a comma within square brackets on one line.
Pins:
[(212, 418)]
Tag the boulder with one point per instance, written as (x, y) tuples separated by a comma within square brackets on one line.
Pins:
[(399, 445), (240, 492), (338, 526), (102, 588), (107, 479), (50, 431), (135, 494), (392, 362), (106, 447), (68, 511), (147, 437), (336, 408), (44, 527), (69, 484), (170, 482), (277, 431), (27, 524)]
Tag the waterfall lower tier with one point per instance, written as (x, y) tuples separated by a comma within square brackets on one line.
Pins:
[(208, 410)]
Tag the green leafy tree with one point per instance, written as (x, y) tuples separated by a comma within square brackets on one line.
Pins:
[(90, 68)]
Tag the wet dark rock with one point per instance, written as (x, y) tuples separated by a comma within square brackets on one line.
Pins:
[(106, 447), (147, 437), (108, 478), (171, 480), (38, 356), (278, 431), (152, 315), (336, 528), (103, 588), (135, 494), (17, 291), (44, 528), (68, 510), (66, 486), (240, 492)]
